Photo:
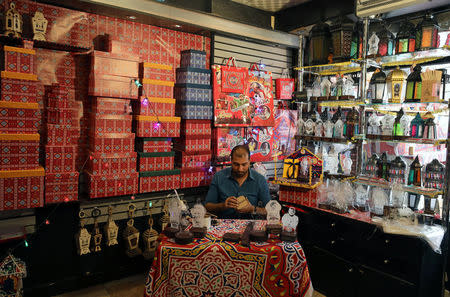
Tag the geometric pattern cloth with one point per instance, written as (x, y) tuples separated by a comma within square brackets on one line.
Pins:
[(210, 267)]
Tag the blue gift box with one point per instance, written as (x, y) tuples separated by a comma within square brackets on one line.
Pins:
[(193, 92), (193, 58), (191, 75), (194, 110)]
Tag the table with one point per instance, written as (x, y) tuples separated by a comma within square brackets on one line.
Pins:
[(212, 267)]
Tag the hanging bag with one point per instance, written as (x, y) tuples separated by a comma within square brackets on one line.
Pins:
[(284, 86), (234, 79)]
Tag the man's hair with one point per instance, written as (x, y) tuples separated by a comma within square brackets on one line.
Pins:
[(240, 151)]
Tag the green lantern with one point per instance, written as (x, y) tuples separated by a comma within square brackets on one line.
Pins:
[(406, 38), (414, 85), (398, 130), (415, 173), (383, 167)]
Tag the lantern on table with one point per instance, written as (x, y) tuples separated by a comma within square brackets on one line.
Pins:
[(434, 175), (383, 167), (352, 123), (397, 171), (398, 129), (371, 168), (429, 130), (417, 125), (414, 85), (387, 42), (429, 205), (415, 173), (427, 36), (406, 38), (320, 43), (395, 82), (413, 200), (341, 36), (376, 88)]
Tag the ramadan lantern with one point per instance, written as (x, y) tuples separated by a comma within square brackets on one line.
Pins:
[(341, 37), (39, 26), (413, 200), (434, 175), (397, 129), (397, 171), (111, 229), (387, 42), (429, 130), (371, 168), (376, 88), (427, 33), (415, 173), (352, 123), (356, 41), (406, 38), (13, 22), (417, 126), (414, 85), (383, 167), (320, 43), (395, 82)]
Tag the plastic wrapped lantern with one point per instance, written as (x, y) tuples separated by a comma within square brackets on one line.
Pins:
[(397, 171), (352, 123), (427, 33), (371, 168), (387, 42), (373, 44), (406, 38), (383, 167), (395, 82), (320, 43), (341, 37), (377, 86), (434, 175), (398, 129), (415, 173), (417, 126), (414, 85), (429, 130)]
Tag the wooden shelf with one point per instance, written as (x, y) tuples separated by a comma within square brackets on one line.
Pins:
[(326, 139), (14, 41)]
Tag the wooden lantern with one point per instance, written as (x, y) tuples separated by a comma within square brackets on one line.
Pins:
[(427, 36), (83, 237), (341, 36), (39, 26), (131, 235), (111, 230), (414, 85), (150, 237), (406, 38), (415, 173), (395, 82), (97, 234), (13, 22), (165, 219)]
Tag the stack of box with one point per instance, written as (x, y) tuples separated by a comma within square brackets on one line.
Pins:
[(156, 124), (21, 177), (111, 164), (62, 131), (194, 105)]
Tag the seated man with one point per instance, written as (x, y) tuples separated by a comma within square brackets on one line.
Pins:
[(236, 191)]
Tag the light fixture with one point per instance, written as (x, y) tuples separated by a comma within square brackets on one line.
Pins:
[(131, 17), (177, 26)]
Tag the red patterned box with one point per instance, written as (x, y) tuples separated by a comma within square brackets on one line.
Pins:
[(157, 71), (299, 196), (154, 181), (161, 107), (194, 160), (193, 143), (107, 186), (150, 126), (21, 189), (112, 164), (112, 86), (112, 143), (196, 127), (156, 161), (60, 116), (19, 59), (108, 63), (62, 134), (17, 117), (191, 178), (18, 90), (19, 151), (54, 102), (123, 49), (101, 124), (61, 187), (157, 88), (154, 145), (111, 106), (60, 158)]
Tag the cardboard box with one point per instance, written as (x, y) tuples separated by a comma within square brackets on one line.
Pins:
[(196, 127), (192, 144), (154, 181), (112, 164), (193, 92), (124, 50), (112, 143), (157, 71), (157, 88), (61, 187), (193, 58), (17, 117), (60, 135), (190, 75), (107, 186), (161, 107), (154, 145), (62, 116), (150, 126), (299, 196), (101, 124), (60, 159), (19, 90), (19, 59), (192, 178), (110, 64), (112, 86), (156, 161), (55, 102), (21, 189), (19, 151), (193, 160), (111, 106), (195, 110)]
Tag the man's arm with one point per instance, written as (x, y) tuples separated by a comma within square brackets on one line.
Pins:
[(212, 203)]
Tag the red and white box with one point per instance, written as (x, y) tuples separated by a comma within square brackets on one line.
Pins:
[(193, 144), (104, 85), (60, 158), (196, 127), (157, 88), (19, 59), (112, 143), (154, 181), (62, 116), (161, 107), (156, 161), (194, 160), (107, 186), (111, 106), (124, 49), (17, 117), (191, 178), (101, 124), (18, 90), (154, 145), (63, 104), (19, 151), (61, 187), (112, 164), (62, 134), (157, 72), (299, 196), (21, 189), (108, 63), (151, 126)]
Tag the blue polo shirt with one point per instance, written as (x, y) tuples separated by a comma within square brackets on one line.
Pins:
[(223, 185)]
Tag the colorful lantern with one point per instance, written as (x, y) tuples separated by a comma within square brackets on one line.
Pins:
[(398, 129), (376, 88), (427, 36), (320, 43), (352, 123), (415, 173), (414, 85), (395, 82), (434, 175), (387, 42), (341, 36), (406, 38), (417, 126), (383, 167), (429, 130), (371, 168), (356, 41), (397, 171)]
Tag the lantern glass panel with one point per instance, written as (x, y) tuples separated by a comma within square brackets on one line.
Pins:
[(406, 38), (427, 33), (320, 42)]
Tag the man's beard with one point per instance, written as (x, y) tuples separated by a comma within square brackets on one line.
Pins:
[(239, 174)]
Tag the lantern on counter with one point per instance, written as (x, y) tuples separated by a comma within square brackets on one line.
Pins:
[(383, 167), (413, 201), (395, 82), (434, 175), (376, 88), (320, 43), (415, 173), (397, 171), (417, 126), (352, 123), (429, 130), (427, 36), (414, 85), (371, 168), (406, 38), (398, 129), (341, 37), (387, 42)]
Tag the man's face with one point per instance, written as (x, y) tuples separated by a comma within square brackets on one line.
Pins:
[(240, 165)]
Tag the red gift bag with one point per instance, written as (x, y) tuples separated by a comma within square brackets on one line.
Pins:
[(234, 78), (284, 86)]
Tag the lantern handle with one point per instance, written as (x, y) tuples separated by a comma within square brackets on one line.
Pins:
[(96, 213)]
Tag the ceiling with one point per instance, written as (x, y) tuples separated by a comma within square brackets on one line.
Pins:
[(271, 5)]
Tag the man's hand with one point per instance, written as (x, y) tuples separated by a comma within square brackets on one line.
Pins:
[(231, 202), (244, 206)]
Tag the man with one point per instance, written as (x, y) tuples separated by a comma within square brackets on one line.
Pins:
[(236, 191)]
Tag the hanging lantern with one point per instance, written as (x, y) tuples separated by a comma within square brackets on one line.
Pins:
[(414, 85), (111, 230), (413, 201), (341, 36), (97, 234), (13, 22), (397, 171), (429, 130), (415, 173), (39, 26), (387, 42), (376, 88), (427, 36), (83, 237), (320, 43), (352, 123), (398, 129), (395, 82), (406, 38), (165, 219), (434, 175), (371, 168), (131, 235), (354, 49), (150, 237), (383, 167), (417, 125)]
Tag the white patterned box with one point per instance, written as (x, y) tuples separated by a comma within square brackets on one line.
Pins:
[(193, 92), (193, 58), (193, 76)]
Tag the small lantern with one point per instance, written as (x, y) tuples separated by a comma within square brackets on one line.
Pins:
[(406, 38), (434, 175), (387, 124), (371, 168), (337, 115), (13, 22), (165, 219), (341, 36), (111, 230), (397, 171), (131, 235), (395, 82), (383, 167), (373, 44), (340, 86), (398, 129), (429, 205), (414, 85), (376, 88), (352, 123), (429, 130), (150, 237), (427, 36), (387, 42), (328, 128), (325, 87), (417, 125), (415, 173), (83, 237), (373, 124), (354, 51), (97, 238), (309, 127), (39, 26), (320, 43), (413, 201), (338, 130)]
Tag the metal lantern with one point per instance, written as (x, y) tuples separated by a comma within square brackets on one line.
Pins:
[(341, 37), (39, 26), (111, 230), (415, 173), (320, 43), (395, 82), (352, 123), (397, 171), (398, 129), (417, 126), (413, 200), (387, 42), (406, 38), (371, 167), (434, 175), (83, 237), (377, 86), (414, 85), (429, 128), (337, 115), (356, 40), (429, 205), (13, 22), (383, 167), (427, 36), (150, 237)]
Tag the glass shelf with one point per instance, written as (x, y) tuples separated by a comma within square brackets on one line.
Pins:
[(405, 139), (443, 102), (333, 68), (337, 103), (326, 139), (407, 59)]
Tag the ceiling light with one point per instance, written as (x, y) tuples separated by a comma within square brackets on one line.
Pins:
[(177, 26), (131, 17)]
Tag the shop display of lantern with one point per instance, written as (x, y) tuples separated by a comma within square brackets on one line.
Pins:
[(83, 237), (325, 87), (150, 237), (405, 123), (341, 37), (373, 124), (377, 85), (318, 129), (387, 42), (429, 130), (415, 173), (316, 88), (356, 41), (427, 36), (320, 43), (434, 175), (398, 195), (97, 234), (39, 26), (131, 235), (397, 171), (111, 229), (378, 199), (337, 115), (352, 123), (328, 128), (383, 167), (395, 83), (414, 85), (387, 124), (417, 125), (373, 44), (309, 127), (398, 129), (339, 91), (338, 130), (413, 201), (429, 205), (405, 41), (13, 22), (300, 126), (371, 168)]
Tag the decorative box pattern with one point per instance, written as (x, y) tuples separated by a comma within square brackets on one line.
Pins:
[(57, 103), (225, 139), (154, 145), (19, 117), (191, 178), (62, 116), (112, 143), (193, 76), (21, 189), (112, 86), (157, 88), (111, 106), (60, 158), (161, 107), (157, 71), (196, 127), (107, 186), (19, 59), (108, 63), (149, 126), (298, 196), (195, 110), (61, 187), (193, 143), (122, 49), (19, 151), (18, 90), (193, 58), (112, 164), (156, 161), (62, 134), (194, 160), (154, 181), (192, 92), (101, 124)]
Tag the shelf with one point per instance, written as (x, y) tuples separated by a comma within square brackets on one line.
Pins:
[(337, 103), (326, 139), (334, 68), (405, 103), (293, 183), (14, 41), (405, 139), (406, 59)]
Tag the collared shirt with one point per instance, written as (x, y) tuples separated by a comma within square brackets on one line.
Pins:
[(223, 185)]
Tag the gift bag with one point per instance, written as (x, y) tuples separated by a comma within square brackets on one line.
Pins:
[(259, 92), (234, 78), (284, 86)]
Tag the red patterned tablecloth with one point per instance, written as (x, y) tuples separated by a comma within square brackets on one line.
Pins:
[(212, 267)]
